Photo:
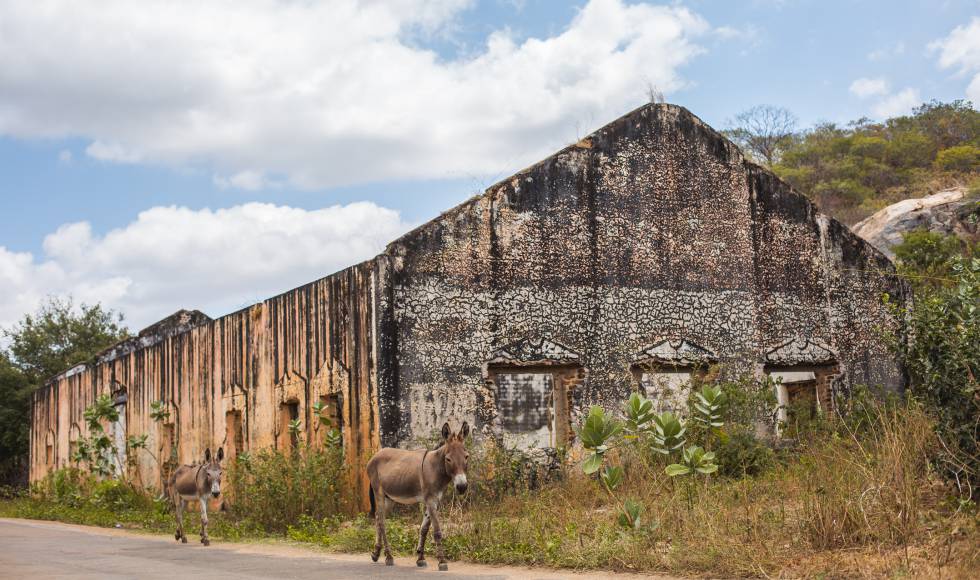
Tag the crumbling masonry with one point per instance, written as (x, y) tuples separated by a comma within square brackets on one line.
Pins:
[(623, 262)]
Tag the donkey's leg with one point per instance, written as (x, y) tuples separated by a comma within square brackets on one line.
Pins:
[(385, 503), (423, 532), (378, 524), (381, 535), (204, 522), (432, 506), (179, 509)]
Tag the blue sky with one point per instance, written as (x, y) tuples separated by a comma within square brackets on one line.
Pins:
[(123, 146)]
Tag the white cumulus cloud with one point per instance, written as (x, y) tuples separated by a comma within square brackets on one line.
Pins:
[(864, 87), (885, 103), (897, 49), (961, 50), (174, 257), (325, 93), (900, 103), (248, 180)]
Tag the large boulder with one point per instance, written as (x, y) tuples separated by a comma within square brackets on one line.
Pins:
[(947, 212)]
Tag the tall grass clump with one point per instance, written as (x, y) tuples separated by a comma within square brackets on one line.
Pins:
[(869, 484)]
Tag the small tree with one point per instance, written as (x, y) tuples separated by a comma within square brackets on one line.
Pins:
[(926, 258), (97, 450), (764, 132), (15, 406)]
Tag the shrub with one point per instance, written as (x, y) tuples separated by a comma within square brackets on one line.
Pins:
[(116, 495), (926, 258), (497, 472), (942, 358), (69, 486), (742, 454), (960, 158), (750, 401), (272, 489)]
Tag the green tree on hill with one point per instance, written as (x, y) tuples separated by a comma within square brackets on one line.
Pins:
[(854, 170)]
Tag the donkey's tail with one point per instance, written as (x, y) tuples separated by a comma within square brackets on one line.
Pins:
[(371, 497)]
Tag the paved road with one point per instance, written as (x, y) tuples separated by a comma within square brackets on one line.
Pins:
[(42, 550)]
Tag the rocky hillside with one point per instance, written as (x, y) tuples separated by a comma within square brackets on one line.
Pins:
[(953, 211)]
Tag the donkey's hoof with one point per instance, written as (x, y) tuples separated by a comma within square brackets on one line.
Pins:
[(443, 567), (389, 561), (183, 539), (177, 536), (206, 541), (421, 563), (374, 557)]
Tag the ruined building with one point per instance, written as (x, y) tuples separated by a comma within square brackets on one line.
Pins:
[(625, 261)]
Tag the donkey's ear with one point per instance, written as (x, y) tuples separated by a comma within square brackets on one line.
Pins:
[(221, 454), (464, 431), (446, 431), (207, 455)]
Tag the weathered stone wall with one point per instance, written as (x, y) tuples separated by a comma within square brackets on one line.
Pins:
[(650, 242), (654, 227), (312, 342)]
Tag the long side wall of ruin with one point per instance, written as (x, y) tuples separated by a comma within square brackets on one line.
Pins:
[(232, 382)]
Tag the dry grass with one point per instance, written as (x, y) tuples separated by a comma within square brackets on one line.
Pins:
[(850, 504)]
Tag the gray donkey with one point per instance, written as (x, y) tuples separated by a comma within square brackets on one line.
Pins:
[(417, 476), (196, 482)]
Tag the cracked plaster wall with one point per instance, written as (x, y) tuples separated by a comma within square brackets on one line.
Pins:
[(653, 227)]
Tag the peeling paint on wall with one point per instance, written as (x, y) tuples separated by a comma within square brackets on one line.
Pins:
[(301, 345)]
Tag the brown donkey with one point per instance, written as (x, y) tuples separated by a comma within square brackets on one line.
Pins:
[(418, 476), (196, 482)]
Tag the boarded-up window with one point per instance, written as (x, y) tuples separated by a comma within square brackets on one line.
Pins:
[(119, 433), (524, 408), (168, 449), (234, 436), (168, 452), (49, 448), (667, 388)]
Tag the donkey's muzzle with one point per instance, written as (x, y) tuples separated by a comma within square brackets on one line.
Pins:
[(215, 493), (460, 483)]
